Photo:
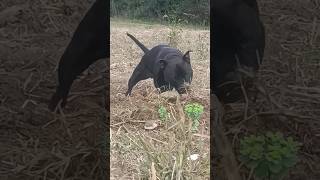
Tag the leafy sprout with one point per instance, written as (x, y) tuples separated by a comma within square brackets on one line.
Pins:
[(163, 114), (269, 156), (194, 112)]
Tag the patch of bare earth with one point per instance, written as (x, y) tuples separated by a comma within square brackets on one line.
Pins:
[(133, 147)]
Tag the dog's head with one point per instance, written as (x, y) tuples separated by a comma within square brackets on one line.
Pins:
[(177, 72)]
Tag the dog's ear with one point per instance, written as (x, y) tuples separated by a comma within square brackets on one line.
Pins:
[(186, 56), (163, 63)]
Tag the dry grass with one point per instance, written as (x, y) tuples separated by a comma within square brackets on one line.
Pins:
[(290, 80), (35, 143), (133, 148)]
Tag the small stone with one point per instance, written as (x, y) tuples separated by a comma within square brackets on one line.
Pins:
[(193, 157), (172, 99), (150, 125)]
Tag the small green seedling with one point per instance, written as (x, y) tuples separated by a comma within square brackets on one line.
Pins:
[(269, 156), (163, 114), (194, 112)]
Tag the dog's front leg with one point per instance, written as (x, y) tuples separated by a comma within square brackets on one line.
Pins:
[(137, 75)]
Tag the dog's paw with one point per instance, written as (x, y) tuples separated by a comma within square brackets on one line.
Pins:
[(55, 99), (128, 93)]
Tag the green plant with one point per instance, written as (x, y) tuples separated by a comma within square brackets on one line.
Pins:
[(269, 156), (163, 114), (194, 112), (175, 29)]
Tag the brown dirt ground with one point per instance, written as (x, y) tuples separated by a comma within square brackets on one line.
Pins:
[(129, 114), (35, 143), (290, 74)]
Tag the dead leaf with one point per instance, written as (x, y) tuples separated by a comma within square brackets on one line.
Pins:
[(150, 125)]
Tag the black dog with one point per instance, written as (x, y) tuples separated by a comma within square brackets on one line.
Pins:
[(88, 44), (238, 41), (168, 67)]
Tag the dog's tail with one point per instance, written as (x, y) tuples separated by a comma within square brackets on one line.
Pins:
[(144, 49)]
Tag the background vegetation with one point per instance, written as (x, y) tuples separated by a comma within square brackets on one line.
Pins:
[(194, 12)]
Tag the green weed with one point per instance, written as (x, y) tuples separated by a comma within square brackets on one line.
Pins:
[(163, 114), (269, 156), (194, 112)]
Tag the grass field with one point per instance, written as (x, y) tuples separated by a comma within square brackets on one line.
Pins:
[(38, 144), (135, 149)]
